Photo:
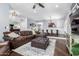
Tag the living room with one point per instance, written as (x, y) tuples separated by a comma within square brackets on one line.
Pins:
[(35, 29)]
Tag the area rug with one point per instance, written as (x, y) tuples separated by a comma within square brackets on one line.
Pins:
[(27, 50)]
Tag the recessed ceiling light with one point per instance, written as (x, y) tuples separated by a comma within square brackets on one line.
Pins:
[(57, 6)]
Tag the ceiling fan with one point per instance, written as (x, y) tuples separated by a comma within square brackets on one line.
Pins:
[(39, 4)]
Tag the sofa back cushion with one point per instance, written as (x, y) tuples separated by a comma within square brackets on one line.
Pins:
[(25, 33)]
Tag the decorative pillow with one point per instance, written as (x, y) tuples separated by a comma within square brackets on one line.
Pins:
[(33, 32), (13, 35)]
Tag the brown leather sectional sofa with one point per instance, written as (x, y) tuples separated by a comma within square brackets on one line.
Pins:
[(25, 36)]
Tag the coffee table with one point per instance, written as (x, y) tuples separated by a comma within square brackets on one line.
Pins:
[(40, 42)]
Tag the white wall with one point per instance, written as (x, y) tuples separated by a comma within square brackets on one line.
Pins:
[(67, 25), (23, 25), (4, 18), (29, 21), (59, 24)]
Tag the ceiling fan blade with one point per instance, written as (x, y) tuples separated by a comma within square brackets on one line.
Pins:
[(41, 5), (34, 6)]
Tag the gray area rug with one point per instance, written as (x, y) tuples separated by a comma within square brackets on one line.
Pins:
[(27, 50)]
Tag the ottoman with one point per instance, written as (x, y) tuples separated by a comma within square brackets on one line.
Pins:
[(40, 42)]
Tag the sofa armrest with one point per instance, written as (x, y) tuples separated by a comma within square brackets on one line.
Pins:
[(5, 48), (4, 43)]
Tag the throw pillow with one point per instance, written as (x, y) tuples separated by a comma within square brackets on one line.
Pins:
[(13, 35), (33, 32)]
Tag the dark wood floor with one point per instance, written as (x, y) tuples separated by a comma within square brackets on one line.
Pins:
[(60, 49)]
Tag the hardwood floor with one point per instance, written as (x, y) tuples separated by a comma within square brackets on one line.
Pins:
[(60, 49)]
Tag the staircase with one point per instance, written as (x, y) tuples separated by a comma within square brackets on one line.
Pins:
[(75, 26), (75, 18)]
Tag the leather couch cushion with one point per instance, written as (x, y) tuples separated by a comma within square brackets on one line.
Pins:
[(30, 37), (25, 33), (18, 42)]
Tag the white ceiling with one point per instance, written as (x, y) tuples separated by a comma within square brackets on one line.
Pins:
[(43, 13)]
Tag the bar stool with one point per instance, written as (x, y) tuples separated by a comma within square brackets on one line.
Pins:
[(51, 32), (47, 32), (57, 32)]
